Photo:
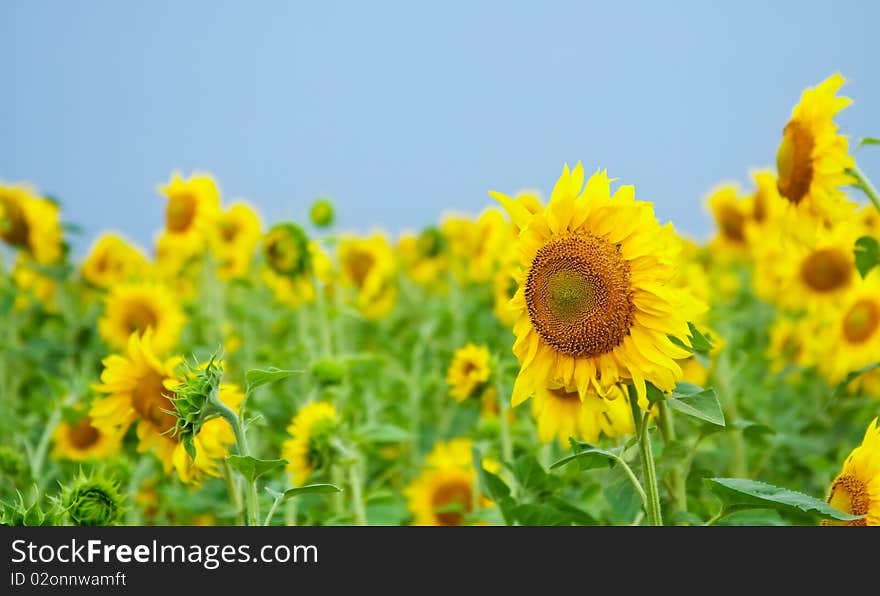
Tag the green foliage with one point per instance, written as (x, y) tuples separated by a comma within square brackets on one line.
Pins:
[(867, 254)]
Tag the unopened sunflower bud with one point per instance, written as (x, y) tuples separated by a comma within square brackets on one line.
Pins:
[(328, 372), (93, 501), (322, 213), (286, 249), (196, 401), (431, 242), (20, 514)]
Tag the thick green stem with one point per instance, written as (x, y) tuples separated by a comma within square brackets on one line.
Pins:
[(354, 478), (655, 517), (253, 502), (864, 184), (234, 494), (667, 428)]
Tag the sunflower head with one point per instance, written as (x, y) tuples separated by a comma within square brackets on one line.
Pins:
[(597, 300), (856, 490), (236, 234), (112, 261), (813, 159), (30, 223), (137, 307), (79, 440), (286, 249), (321, 213), (310, 446), (469, 371)]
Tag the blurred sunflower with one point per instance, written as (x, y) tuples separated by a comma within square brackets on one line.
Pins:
[(139, 387), (192, 207), (32, 284), (813, 158), (367, 265), (443, 493), (595, 299), (856, 490), (469, 371), (853, 330), (423, 255), (80, 440), (562, 413), (731, 212), (134, 308), (30, 223), (112, 261), (310, 444), (234, 238)]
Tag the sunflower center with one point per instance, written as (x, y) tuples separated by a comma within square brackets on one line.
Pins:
[(180, 212), (359, 265), (794, 162), (451, 501), (732, 223), (578, 295), (826, 269), (850, 495), (229, 231), (861, 321), (83, 435), (13, 224), (150, 398), (139, 317)]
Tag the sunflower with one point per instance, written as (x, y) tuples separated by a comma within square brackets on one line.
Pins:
[(30, 223), (476, 246), (80, 440), (134, 308), (856, 490), (443, 493), (139, 387), (853, 330), (469, 371), (596, 301), (813, 158), (790, 342), (794, 275), (112, 261), (367, 265), (234, 237), (423, 255), (192, 206), (310, 443), (731, 211), (563, 413)]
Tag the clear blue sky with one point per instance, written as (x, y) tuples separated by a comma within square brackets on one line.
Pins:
[(402, 111)]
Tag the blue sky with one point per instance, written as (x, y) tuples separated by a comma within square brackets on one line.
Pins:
[(403, 111)]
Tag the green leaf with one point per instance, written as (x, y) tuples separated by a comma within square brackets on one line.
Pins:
[(385, 433), (494, 487), (577, 515), (697, 402), (741, 493), (257, 377), (251, 467), (867, 254), (309, 489), (587, 455), (620, 495), (536, 514), (531, 476), (654, 393), (699, 342), (189, 446), (869, 141)]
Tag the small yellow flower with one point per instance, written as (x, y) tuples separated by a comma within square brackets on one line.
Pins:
[(30, 222), (368, 266), (856, 490), (469, 371), (192, 207), (112, 261), (234, 238), (81, 441)]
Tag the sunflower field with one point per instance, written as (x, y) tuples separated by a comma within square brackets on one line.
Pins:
[(561, 360)]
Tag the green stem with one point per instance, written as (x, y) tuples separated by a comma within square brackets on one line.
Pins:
[(323, 322), (271, 512), (234, 494), (360, 511), (711, 521), (504, 422), (655, 517), (635, 481), (667, 428), (253, 503), (864, 184), (415, 399)]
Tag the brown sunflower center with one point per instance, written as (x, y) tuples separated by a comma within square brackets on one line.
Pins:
[(359, 265), (861, 321), (139, 316), (229, 231), (850, 495), (451, 502), (759, 209), (14, 227), (579, 296), (150, 398), (826, 270), (794, 162), (180, 212), (83, 435), (732, 223)]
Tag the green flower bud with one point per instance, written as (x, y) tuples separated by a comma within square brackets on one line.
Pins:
[(431, 242), (19, 514), (328, 372), (322, 213), (93, 501), (196, 400), (286, 249)]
